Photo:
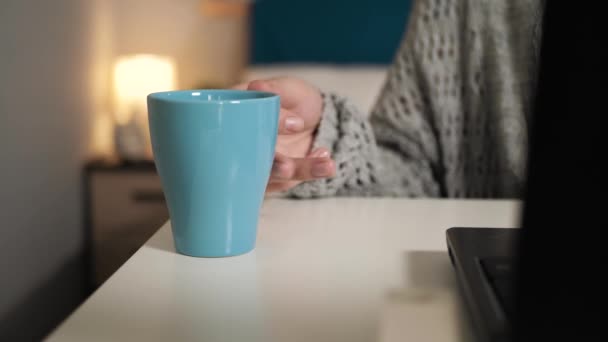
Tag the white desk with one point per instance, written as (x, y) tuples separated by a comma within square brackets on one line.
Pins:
[(323, 270)]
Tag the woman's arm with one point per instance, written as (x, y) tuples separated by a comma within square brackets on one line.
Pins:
[(396, 151)]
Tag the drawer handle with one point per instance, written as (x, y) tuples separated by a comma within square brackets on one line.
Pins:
[(148, 196)]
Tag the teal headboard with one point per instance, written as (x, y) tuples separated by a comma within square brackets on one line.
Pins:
[(327, 31)]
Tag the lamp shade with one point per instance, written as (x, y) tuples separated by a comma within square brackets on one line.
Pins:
[(136, 76)]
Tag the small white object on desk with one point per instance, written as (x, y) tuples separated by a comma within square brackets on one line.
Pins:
[(343, 269)]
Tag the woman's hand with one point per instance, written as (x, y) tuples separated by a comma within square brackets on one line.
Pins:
[(301, 108)]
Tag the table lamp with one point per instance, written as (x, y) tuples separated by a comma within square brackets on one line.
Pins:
[(136, 76)]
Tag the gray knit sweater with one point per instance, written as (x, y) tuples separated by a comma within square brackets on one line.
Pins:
[(452, 118)]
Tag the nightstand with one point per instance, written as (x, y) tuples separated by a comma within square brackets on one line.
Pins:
[(124, 206)]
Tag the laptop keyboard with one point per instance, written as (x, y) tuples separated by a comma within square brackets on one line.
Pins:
[(500, 273)]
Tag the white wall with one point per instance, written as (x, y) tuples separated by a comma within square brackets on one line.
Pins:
[(50, 56), (206, 48), (55, 77)]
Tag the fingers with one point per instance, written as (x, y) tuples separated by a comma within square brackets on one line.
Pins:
[(286, 176), (301, 103), (289, 122), (279, 186), (320, 152), (296, 95), (281, 86), (289, 169)]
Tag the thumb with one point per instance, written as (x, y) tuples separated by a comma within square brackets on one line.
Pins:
[(297, 96)]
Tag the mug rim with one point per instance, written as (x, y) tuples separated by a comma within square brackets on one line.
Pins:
[(165, 96)]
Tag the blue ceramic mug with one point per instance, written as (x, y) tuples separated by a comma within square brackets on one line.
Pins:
[(213, 151)]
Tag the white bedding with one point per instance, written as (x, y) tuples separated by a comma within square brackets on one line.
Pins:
[(361, 83)]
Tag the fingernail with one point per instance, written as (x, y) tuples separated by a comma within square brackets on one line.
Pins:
[(324, 154), (319, 152), (294, 123), (320, 168)]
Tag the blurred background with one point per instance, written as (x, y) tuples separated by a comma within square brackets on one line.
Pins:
[(78, 190)]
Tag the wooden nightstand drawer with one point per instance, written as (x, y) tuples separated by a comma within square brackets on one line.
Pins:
[(126, 206), (123, 200)]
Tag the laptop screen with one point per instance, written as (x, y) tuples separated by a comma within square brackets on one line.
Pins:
[(561, 251)]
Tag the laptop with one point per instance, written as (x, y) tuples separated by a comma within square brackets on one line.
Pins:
[(546, 280)]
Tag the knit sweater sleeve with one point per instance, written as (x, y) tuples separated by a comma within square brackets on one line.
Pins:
[(395, 151)]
